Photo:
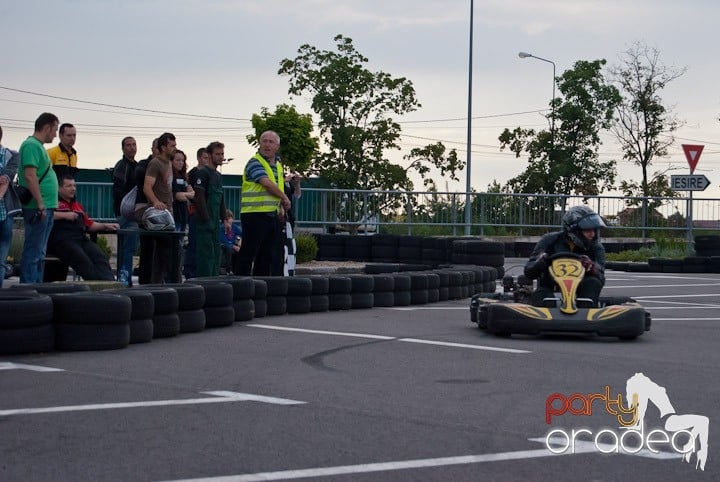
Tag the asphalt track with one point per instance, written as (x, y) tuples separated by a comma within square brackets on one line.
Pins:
[(417, 393)]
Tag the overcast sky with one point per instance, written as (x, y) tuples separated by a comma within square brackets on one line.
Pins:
[(221, 57)]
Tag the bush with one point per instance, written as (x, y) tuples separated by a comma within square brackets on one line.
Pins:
[(307, 248), (102, 243)]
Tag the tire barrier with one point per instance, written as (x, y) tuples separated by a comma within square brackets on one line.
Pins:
[(141, 313), (383, 290), (30, 329), (277, 288), (361, 291), (243, 288), (218, 306), (707, 245), (191, 299), (358, 248), (260, 298), (319, 301), (91, 321), (51, 288), (330, 247), (384, 248), (401, 293), (298, 295), (339, 293), (166, 322)]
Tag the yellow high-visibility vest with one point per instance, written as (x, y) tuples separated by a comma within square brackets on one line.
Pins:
[(255, 198)]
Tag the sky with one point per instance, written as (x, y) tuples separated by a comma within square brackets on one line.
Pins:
[(202, 68)]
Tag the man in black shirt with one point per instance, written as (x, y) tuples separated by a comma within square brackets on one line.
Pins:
[(123, 176)]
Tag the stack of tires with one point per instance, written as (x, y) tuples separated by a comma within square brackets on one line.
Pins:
[(277, 289), (330, 247), (91, 321), (339, 293), (402, 289), (361, 291), (141, 313), (319, 301), (358, 248), (299, 291), (383, 290), (260, 298), (218, 306), (166, 322), (243, 289), (410, 249), (434, 251), (480, 253), (30, 329), (384, 248)]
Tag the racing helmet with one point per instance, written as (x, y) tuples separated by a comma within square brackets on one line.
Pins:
[(158, 220), (578, 218)]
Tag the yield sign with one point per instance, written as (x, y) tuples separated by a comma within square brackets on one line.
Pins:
[(692, 154)]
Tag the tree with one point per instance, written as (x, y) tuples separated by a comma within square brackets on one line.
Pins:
[(643, 125), (657, 187), (566, 161), (297, 145), (355, 107), (424, 158)]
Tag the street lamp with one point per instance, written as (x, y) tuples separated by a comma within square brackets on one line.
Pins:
[(468, 203), (524, 55)]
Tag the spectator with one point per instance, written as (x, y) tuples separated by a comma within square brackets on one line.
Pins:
[(36, 175), (182, 192), (9, 203), (209, 209), (69, 240), (146, 245), (230, 242), (262, 200), (190, 267), (123, 176), (157, 194), (64, 156)]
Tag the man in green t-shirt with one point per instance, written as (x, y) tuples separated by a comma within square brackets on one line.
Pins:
[(36, 175)]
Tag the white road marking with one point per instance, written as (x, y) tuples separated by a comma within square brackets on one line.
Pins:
[(684, 319), (461, 345), (635, 286), (389, 338), (380, 466), (420, 308), (22, 366), (322, 332), (218, 397), (662, 297)]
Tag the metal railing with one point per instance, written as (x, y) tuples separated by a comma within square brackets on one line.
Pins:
[(444, 212)]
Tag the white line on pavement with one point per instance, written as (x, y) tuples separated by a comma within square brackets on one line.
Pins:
[(389, 338), (22, 366), (420, 308), (380, 467), (218, 397), (657, 286)]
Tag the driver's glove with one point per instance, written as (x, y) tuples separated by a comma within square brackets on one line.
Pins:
[(587, 264)]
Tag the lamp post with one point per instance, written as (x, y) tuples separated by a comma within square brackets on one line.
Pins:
[(525, 55), (468, 203)]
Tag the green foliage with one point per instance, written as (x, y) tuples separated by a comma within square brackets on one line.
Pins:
[(643, 125), (665, 247), (355, 106), (297, 145), (433, 155), (566, 160), (307, 248), (102, 243)]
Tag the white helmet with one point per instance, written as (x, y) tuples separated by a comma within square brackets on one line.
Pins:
[(158, 220)]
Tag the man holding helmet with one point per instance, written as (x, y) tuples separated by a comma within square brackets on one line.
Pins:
[(580, 236)]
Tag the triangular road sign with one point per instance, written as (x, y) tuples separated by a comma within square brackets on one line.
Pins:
[(692, 154)]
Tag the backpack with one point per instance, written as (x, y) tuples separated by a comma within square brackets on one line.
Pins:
[(127, 205)]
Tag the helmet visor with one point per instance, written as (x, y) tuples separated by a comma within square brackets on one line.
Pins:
[(591, 221)]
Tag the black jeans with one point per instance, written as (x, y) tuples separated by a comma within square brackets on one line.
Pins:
[(259, 244), (86, 258)]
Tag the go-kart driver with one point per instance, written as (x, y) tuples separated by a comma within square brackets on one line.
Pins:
[(580, 236)]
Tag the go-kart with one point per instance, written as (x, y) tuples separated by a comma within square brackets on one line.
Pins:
[(511, 312)]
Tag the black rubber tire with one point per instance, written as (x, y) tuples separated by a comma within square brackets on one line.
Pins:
[(433, 280), (260, 307), (191, 321), (418, 297), (24, 309), (276, 305), (339, 301), (433, 295), (319, 303), (384, 254), (166, 299), (276, 285), (299, 287), (361, 301), (455, 293), (51, 288), (217, 293), (383, 283), (191, 296), (31, 339), (320, 285), (443, 293), (244, 310), (85, 337), (260, 289), (219, 316), (298, 304), (361, 283), (141, 330), (401, 282), (383, 299), (339, 285), (143, 303), (243, 286), (166, 325), (382, 268), (401, 298), (82, 308), (418, 281)]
